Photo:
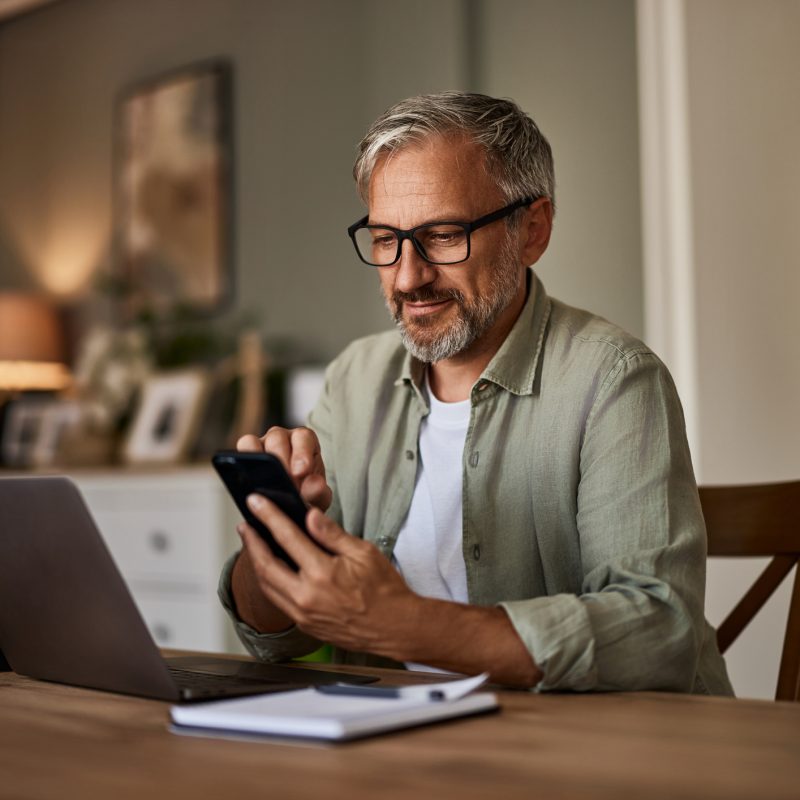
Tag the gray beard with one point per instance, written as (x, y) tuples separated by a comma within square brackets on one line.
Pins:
[(472, 320)]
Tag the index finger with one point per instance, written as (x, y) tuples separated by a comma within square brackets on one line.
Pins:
[(297, 449), (305, 452), (249, 443), (278, 442)]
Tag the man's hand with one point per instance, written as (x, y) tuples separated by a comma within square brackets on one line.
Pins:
[(354, 598), (299, 451), (351, 598)]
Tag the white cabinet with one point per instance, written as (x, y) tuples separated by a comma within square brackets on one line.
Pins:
[(169, 531)]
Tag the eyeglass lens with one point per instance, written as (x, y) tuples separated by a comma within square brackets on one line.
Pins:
[(439, 244)]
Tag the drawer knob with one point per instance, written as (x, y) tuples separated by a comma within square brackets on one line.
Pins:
[(162, 633), (159, 541)]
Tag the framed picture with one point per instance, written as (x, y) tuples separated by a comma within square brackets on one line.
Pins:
[(165, 425), (57, 419), (173, 191), (22, 429)]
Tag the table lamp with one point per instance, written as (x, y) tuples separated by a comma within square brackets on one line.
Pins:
[(31, 345)]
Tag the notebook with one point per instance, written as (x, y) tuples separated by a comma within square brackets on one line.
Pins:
[(318, 713), (66, 614)]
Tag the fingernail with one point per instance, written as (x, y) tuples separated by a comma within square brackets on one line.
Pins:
[(299, 464), (255, 500)]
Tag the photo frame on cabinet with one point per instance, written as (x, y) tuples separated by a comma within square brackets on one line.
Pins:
[(173, 195), (165, 425), (57, 419), (23, 424)]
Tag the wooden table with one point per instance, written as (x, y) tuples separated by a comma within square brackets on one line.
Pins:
[(59, 741)]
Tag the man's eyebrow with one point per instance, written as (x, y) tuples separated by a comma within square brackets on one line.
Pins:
[(446, 217)]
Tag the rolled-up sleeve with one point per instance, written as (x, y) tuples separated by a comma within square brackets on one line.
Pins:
[(269, 647), (638, 621)]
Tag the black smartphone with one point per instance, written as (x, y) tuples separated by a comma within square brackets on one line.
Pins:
[(261, 473)]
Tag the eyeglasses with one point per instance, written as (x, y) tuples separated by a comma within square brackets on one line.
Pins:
[(437, 242)]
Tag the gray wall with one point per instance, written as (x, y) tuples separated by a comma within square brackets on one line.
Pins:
[(744, 64), (744, 87), (309, 76), (572, 66)]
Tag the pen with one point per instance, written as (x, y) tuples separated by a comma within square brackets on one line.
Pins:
[(372, 691)]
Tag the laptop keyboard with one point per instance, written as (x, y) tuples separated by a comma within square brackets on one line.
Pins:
[(201, 685)]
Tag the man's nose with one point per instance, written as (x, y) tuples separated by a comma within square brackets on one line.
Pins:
[(413, 271)]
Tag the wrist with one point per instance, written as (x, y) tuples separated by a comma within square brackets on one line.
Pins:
[(403, 639), (249, 603), (464, 638), (423, 630)]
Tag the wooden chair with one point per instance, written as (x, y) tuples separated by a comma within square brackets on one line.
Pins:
[(759, 520)]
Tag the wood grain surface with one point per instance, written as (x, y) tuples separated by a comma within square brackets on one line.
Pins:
[(60, 741)]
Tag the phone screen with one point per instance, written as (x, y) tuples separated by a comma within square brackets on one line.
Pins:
[(261, 473)]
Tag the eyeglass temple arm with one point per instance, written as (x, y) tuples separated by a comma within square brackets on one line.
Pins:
[(503, 212)]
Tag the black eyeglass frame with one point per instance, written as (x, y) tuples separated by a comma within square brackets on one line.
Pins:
[(401, 234)]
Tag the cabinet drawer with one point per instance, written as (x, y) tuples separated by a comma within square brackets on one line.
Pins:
[(184, 624), (169, 544)]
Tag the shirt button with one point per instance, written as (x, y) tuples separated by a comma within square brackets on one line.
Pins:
[(383, 542), (410, 455), (473, 459), (476, 552)]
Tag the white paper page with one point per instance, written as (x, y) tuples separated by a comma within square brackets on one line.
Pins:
[(307, 712), (447, 690)]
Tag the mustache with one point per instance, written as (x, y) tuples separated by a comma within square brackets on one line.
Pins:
[(426, 294)]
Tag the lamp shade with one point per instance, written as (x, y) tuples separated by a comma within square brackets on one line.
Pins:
[(31, 344)]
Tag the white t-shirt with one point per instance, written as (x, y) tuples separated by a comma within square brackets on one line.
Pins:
[(428, 552)]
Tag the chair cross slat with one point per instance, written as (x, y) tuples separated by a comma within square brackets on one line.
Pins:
[(760, 520), (758, 594)]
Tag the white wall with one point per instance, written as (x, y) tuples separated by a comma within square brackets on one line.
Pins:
[(744, 102), (744, 107), (572, 66), (731, 70)]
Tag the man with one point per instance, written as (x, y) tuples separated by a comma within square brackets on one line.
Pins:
[(507, 482)]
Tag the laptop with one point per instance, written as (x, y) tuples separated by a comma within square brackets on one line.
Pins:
[(67, 616)]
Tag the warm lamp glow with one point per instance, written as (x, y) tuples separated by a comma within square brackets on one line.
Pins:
[(61, 250), (31, 344), (18, 376), (65, 267)]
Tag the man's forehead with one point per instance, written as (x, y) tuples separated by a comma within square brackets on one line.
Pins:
[(453, 152), (434, 171)]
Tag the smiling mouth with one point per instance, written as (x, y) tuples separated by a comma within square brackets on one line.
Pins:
[(423, 309)]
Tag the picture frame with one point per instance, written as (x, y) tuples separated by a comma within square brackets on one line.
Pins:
[(57, 419), (165, 424), (173, 193), (22, 428)]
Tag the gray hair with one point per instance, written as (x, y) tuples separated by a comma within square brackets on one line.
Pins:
[(518, 156)]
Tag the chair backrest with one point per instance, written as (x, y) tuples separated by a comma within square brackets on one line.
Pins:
[(760, 520)]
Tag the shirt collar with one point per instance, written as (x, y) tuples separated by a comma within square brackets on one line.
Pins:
[(512, 367)]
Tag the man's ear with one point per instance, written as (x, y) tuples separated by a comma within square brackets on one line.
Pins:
[(535, 228)]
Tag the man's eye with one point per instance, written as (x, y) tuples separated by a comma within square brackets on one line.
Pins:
[(446, 237), (384, 240)]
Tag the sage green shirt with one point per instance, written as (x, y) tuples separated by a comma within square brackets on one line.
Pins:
[(580, 510)]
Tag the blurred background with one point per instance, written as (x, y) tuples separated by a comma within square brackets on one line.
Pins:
[(674, 126)]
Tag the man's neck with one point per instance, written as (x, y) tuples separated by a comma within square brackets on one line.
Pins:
[(452, 380)]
